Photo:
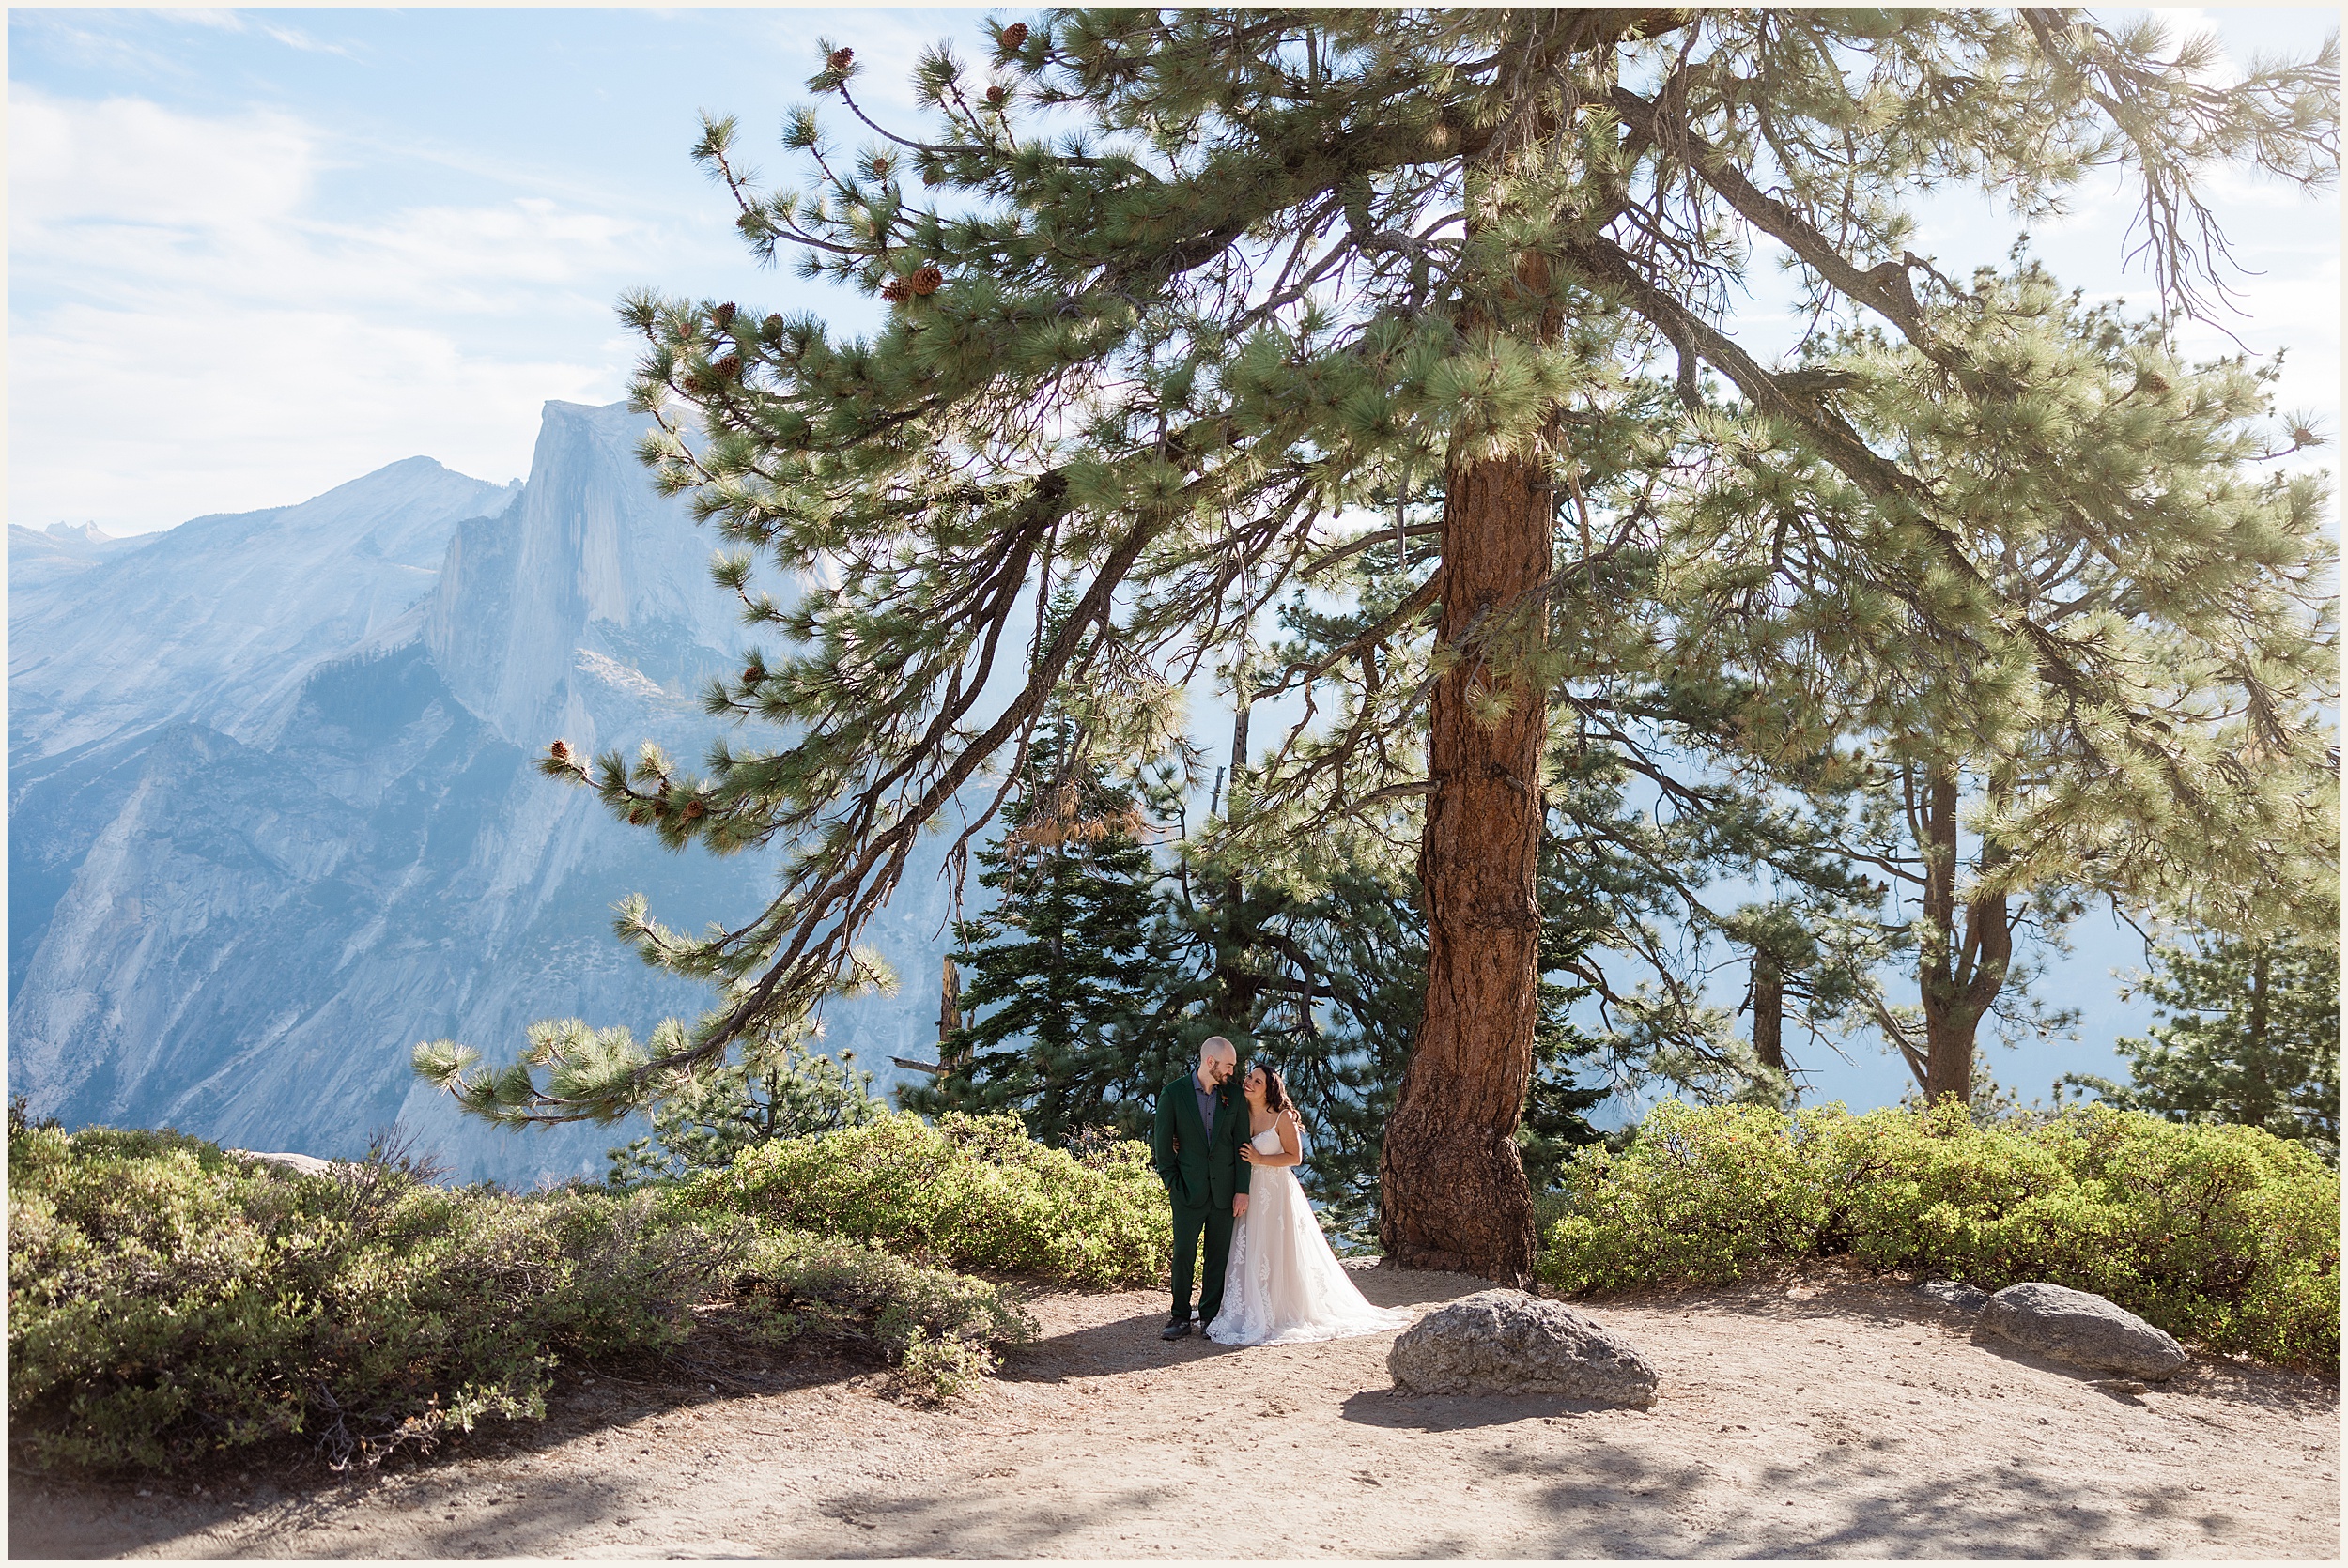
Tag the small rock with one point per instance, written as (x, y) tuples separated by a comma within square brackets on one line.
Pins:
[(1507, 1342), (308, 1164), (1955, 1293), (2081, 1328)]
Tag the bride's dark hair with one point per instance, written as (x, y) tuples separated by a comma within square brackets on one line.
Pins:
[(1275, 1093)]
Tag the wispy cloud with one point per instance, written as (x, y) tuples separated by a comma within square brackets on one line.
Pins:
[(260, 23), (187, 334)]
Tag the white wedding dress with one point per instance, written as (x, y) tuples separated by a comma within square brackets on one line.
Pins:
[(1284, 1284)]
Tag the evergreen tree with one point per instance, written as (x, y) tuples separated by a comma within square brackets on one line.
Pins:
[(1175, 292), (2249, 1034), (1632, 903), (2198, 591), (1068, 964), (777, 1088)]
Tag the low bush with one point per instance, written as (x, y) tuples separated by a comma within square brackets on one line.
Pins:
[(2223, 1234), (969, 1193), (166, 1299), (936, 1328)]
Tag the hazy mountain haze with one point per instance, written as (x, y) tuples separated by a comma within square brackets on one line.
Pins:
[(274, 818)]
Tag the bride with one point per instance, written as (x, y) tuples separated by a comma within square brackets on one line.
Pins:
[(1283, 1284)]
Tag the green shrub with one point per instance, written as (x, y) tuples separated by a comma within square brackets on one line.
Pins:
[(934, 1371), (777, 1089), (166, 1299), (969, 1193), (2224, 1235), (937, 1328)]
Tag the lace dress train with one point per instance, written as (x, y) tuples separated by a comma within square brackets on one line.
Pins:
[(1283, 1284)]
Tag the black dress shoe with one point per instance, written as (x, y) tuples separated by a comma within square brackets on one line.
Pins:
[(1175, 1330)]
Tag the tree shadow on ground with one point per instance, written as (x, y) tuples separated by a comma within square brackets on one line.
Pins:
[(1432, 1412), (1609, 1501), (290, 1482), (1881, 1302), (1130, 1343), (1125, 1345)]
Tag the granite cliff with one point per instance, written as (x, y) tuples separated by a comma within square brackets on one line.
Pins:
[(273, 817)]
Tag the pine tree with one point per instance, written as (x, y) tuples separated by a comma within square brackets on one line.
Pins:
[(1173, 293), (2197, 591), (779, 1088), (1632, 901), (2251, 1034), (1068, 964)]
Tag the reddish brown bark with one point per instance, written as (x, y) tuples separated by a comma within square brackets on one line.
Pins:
[(1453, 1192)]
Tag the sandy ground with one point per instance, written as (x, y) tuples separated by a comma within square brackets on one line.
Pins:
[(1826, 1419)]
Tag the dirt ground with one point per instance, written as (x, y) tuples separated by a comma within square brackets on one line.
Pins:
[(1820, 1419)]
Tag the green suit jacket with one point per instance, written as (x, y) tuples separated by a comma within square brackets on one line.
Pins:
[(1199, 1172)]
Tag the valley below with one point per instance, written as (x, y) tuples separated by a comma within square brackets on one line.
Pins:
[(274, 816)]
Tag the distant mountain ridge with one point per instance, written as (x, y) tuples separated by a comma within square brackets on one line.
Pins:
[(218, 621), (274, 816), (59, 550)]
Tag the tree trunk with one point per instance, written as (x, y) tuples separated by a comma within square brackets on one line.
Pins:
[(1452, 1191), (2260, 1103), (1232, 890), (1958, 974), (951, 1051), (1240, 709), (1768, 1009), (1235, 972)]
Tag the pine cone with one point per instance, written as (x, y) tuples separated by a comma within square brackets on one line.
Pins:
[(1015, 35), (752, 675), (996, 95), (882, 164), (840, 59), (693, 810), (637, 815), (894, 291), (729, 368), (774, 328), (929, 280), (560, 751), (723, 315)]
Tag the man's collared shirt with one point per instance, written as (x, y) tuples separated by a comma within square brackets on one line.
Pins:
[(1206, 1103)]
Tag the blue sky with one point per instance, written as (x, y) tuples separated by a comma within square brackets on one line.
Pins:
[(253, 254), (256, 254)]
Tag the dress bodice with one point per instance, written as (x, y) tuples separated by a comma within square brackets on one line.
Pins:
[(1281, 1284)]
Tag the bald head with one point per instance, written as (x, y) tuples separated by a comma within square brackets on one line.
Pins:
[(1218, 1058)]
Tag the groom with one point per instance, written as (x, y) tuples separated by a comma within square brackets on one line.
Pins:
[(1201, 1124)]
